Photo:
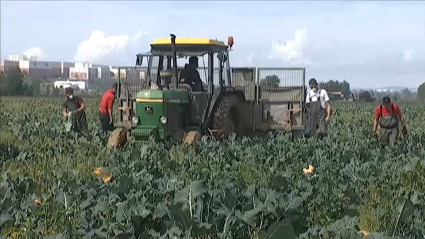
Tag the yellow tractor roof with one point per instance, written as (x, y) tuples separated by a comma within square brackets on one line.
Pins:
[(188, 41)]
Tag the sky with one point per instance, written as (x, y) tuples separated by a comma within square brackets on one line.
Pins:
[(369, 44)]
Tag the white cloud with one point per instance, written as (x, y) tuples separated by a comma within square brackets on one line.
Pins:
[(100, 47), (408, 55), (295, 51), (36, 52)]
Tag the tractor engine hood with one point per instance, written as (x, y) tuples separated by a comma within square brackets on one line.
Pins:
[(163, 96)]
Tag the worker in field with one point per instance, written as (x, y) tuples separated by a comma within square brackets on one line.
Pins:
[(320, 109), (73, 109), (387, 116), (106, 108), (190, 75)]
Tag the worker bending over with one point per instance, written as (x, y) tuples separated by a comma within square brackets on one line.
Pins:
[(74, 108), (106, 109)]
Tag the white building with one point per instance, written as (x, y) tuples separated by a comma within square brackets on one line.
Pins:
[(21, 58), (77, 85), (89, 71), (383, 90), (38, 69)]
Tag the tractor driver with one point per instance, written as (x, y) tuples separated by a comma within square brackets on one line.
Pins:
[(190, 75)]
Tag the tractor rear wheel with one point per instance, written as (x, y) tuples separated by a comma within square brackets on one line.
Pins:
[(117, 139), (226, 117)]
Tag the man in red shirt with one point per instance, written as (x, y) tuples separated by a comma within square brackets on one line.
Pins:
[(105, 109), (388, 115)]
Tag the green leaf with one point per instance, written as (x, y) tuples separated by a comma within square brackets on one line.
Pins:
[(6, 219), (188, 195), (86, 203), (416, 198), (405, 207), (125, 236), (251, 216), (280, 230), (262, 234), (181, 217)]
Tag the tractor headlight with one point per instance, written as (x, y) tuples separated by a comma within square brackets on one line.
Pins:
[(163, 120), (135, 120)]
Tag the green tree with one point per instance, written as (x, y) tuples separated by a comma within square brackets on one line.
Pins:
[(337, 86), (406, 95), (421, 92), (271, 80), (366, 96), (12, 82)]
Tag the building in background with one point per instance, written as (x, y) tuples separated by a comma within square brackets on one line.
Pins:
[(41, 69), (31, 67), (76, 85), (89, 71), (21, 58), (7, 65), (65, 66)]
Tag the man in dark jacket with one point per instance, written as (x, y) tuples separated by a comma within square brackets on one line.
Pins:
[(190, 75), (74, 108)]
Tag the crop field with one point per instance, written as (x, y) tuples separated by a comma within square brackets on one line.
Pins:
[(62, 185)]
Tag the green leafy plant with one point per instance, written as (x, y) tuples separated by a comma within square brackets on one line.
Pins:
[(248, 188)]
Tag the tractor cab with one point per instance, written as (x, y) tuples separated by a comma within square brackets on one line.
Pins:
[(196, 60)]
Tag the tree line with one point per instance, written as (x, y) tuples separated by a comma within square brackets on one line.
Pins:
[(341, 90), (12, 84)]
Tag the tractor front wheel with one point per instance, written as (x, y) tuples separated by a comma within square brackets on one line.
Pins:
[(117, 139), (226, 117)]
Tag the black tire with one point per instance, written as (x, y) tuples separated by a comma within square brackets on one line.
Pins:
[(226, 117)]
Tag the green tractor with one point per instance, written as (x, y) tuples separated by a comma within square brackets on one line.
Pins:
[(160, 100)]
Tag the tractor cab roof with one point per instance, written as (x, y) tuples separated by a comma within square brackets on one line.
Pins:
[(187, 46)]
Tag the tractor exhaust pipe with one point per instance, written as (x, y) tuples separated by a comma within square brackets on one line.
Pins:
[(174, 53)]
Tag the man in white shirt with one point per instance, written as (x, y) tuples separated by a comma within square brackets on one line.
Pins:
[(320, 108)]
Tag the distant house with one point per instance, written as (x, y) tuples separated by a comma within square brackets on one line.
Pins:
[(77, 85)]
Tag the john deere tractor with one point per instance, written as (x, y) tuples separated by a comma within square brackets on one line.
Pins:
[(159, 99)]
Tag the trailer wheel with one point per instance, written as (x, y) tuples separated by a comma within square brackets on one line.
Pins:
[(117, 139), (226, 117)]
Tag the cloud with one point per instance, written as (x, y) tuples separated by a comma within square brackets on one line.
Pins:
[(36, 52), (408, 55), (295, 51), (102, 48)]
